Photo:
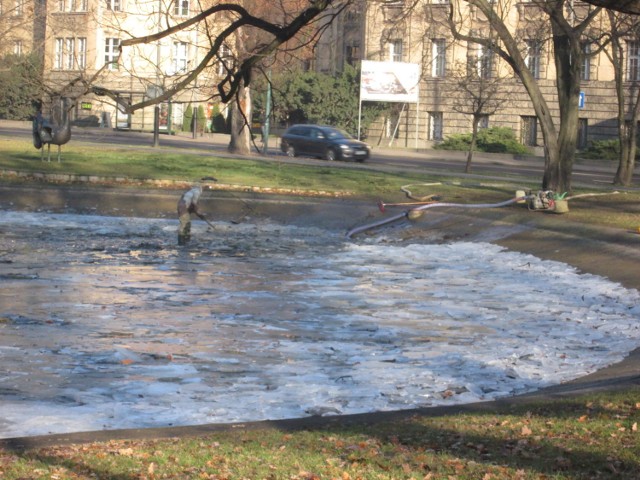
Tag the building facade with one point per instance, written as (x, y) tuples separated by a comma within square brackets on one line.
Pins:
[(79, 43), (419, 32)]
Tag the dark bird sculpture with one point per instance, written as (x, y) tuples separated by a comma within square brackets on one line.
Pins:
[(56, 130)]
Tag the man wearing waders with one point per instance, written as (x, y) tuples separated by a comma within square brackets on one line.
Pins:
[(187, 205)]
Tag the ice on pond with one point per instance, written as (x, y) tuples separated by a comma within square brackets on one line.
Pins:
[(106, 323)]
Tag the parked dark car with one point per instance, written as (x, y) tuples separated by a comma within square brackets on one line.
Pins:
[(324, 142)]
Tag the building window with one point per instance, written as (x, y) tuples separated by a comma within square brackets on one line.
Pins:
[(633, 61), (181, 8), (111, 53), (583, 131), (58, 53), (82, 53), (114, 5), (179, 57), (19, 9), (17, 48), (225, 60), (534, 54), (438, 59), (529, 131), (76, 5), (485, 62), (585, 68), (435, 126), (395, 51), (352, 54), (483, 121), (353, 15), (69, 52), (393, 10), (72, 5)]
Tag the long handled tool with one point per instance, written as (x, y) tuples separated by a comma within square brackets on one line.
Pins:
[(248, 207), (202, 217)]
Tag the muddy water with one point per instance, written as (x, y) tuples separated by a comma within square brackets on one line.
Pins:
[(106, 323)]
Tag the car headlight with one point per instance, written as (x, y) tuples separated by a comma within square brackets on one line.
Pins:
[(344, 147)]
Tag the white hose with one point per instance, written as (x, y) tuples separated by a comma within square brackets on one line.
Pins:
[(399, 216)]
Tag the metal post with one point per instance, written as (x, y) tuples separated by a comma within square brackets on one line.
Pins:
[(195, 123), (156, 126)]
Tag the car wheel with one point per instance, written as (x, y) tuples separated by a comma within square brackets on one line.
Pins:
[(330, 155), (291, 151)]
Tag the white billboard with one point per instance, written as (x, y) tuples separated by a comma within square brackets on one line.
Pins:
[(389, 82)]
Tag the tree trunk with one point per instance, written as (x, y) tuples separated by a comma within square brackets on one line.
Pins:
[(241, 122), (560, 143), (562, 157), (627, 133), (627, 160), (472, 147), (240, 141), (624, 174), (551, 174), (568, 60)]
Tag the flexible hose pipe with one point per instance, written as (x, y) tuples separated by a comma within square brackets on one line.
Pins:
[(399, 216)]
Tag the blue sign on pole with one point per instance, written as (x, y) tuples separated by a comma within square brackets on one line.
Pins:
[(581, 100)]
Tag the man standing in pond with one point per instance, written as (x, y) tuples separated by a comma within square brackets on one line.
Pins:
[(187, 205)]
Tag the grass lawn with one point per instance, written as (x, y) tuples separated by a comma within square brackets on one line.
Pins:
[(340, 179), (586, 437), (591, 436), (148, 163)]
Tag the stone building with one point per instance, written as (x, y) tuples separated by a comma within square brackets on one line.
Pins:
[(419, 32), (79, 45)]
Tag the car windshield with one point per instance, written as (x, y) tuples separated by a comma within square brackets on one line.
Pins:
[(335, 133)]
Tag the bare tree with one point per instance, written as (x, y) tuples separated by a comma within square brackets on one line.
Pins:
[(621, 28), (24, 33), (241, 24), (17, 20), (249, 40), (476, 91), (566, 30)]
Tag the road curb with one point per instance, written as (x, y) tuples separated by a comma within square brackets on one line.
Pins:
[(65, 178)]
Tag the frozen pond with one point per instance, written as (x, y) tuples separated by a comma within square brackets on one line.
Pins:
[(105, 323)]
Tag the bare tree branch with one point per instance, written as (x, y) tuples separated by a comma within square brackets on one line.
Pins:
[(624, 6), (229, 85)]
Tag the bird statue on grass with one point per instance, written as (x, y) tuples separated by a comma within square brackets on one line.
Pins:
[(55, 130)]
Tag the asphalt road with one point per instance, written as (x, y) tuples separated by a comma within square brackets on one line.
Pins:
[(485, 166)]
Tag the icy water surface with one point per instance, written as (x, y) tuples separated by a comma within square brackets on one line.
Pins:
[(105, 323)]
